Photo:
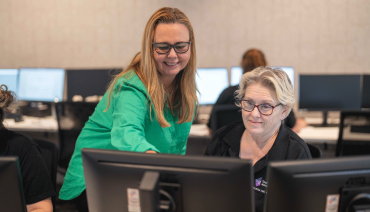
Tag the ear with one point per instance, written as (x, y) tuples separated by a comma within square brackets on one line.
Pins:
[(284, 112)]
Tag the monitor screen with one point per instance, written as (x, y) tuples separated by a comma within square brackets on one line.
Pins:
[(11, 195), (131, 181), (88, 82), (41, 84), (288, 70), (9, 77), (329, 92), (317, 185), (365, 91), (236, 75), (211, 82)]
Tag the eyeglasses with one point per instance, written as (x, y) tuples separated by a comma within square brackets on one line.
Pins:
[(164, 48), (264, 109)]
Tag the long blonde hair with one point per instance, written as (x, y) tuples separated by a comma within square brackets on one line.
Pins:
[(144, 66)]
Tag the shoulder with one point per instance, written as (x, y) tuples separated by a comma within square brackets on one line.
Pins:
[(297, 148), (129, 80), (227, 95), (225, 137), (18, 142)]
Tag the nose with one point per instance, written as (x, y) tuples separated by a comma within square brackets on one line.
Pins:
[(172, 53), (255, 112)]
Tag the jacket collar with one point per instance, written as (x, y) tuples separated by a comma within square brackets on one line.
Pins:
[(277, 152)]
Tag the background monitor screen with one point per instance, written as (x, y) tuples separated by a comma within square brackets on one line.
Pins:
[(41, 84), (236, 75), (9, 77), (89, 82), (237, 72), (329, 92), (118, 180), (365, 91), (317, 185), (211, 82), (288, 70), (11, 195)]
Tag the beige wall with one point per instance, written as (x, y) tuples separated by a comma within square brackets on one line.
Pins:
[(314, 36)]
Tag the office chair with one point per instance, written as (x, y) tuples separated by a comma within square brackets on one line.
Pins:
[(315, 151), (223, 115), (50, 153), (354, 134), (71, 117)]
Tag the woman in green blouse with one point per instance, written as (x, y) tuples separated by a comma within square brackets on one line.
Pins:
[(150, 106)]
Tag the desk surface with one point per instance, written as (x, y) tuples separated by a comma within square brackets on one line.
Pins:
[(35, 124), (309, 134)]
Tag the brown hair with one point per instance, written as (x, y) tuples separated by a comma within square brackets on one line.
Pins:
[(252, 59), (144, 66), (7, 99)]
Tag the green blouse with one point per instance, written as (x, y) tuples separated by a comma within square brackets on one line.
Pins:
[(127, 125)]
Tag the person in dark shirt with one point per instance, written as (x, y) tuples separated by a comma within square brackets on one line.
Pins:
[(37, 186), (266, 98), (252, 59)]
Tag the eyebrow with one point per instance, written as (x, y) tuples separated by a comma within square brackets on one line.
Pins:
[(171, 44), (263, 101)]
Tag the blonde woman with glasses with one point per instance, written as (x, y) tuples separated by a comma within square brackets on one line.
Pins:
[(265, 97), (150, 106)]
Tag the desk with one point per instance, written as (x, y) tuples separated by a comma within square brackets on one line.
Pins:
[(309, 134), (33, 124)]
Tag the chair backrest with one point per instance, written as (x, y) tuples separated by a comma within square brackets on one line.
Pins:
[(50, 153), (223, 115), (354, 134), (71, 117), (315, 151)]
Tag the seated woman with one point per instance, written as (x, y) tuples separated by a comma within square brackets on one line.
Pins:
[(252, 59), (36, 182), (266, 98)]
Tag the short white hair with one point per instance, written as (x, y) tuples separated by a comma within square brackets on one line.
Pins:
[(273, 78)]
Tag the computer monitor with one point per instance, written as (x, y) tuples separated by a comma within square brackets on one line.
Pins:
[(365, 91), (288, 70), (9, 77), (130, 181), (329, 92), (237, 72), (211, 82), (41, 84), (88, 82), (11, 190), (318, 185), (236, 75)]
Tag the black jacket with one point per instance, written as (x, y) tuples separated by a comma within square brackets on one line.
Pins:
[(287, 146), (36, 182)]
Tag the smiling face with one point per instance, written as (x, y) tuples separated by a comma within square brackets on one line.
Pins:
[(259, 125), (170, 64)]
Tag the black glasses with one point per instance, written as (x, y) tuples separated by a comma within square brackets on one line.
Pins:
[(264, 109), (164, 48)]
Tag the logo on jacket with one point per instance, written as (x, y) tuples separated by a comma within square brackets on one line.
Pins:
[(258, 181)]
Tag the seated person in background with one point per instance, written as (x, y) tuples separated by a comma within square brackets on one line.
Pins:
[(266, 97), (252, 59), (36, 182)]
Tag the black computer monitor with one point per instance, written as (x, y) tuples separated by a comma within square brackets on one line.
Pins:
[(9, 77), (41, 84), (365, 91), (211, 82), (11, 190), (89, 82), (317, 185), (118, 180)]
